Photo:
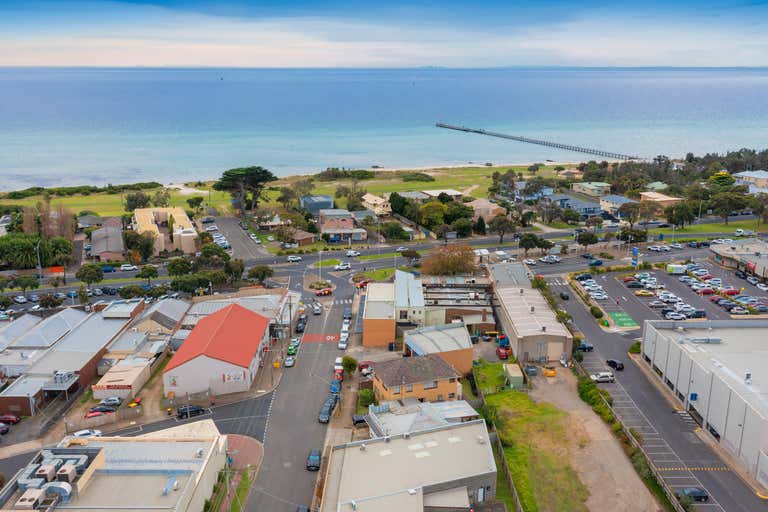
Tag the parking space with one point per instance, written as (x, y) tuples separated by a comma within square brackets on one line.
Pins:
[(242, 246), (601, 291)]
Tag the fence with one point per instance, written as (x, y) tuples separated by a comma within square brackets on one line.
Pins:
[(494, 436)]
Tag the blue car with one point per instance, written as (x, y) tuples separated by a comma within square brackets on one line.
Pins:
[(595, 263), (72, 294), (335, 387), (107, 268)]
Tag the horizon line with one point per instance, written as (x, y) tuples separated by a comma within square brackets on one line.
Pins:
[(394, 68)]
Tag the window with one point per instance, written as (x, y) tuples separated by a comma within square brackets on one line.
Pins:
[(430, 385), (439, 398), (409, 388), (451, 395), (451, 380), (396, 390), (403, 314)]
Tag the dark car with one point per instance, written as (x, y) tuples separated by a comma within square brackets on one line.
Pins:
[(699, 313), (564, 296), (583, 277), (302, 508), (313, 460), (585, 347), (103, 408), (11, 419), (300, 326), (358, 420), (107, 268), (531, 371), (635, 284), (693, 244), (587, 256), (187, 411), (326, 410), (595, 263), (348, 312), (4, 429), (740, 274), (694, 493), (335, 387), (615, 364)]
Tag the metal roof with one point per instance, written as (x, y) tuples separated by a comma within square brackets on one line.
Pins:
[(107, 239), (9, 331), (51, 330), (510, 274), (616, 199), (408, 290), (438, 338), (409, 415), (529, 312)]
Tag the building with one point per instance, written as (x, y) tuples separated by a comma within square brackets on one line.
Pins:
[(465, 299), (335, 218), (107, 244), (272, 223), (513, 376), (89, 221), (302, 237), (125, 379), (313, 204), (345, 235), (164, 470), (526, 318), (662, 200), (410, 415), (592, 188), (450, 342), (754, 179), (749, 255), (379, 205), (414, 194), (379, 315), (583, 208), (611, 203), (448, 468), (656, 186), (520, 194), (427, 378), (5, 221), (409, 299), (171, 227), (486, 209), (434, 194), (718, 372), (570, 174), (363, 216), (221, 355)]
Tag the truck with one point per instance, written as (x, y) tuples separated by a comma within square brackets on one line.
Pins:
[(675, 269)]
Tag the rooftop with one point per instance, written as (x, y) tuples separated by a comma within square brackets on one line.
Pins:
[(529, 312), (122, 308), (393, 473), (413, 194), (412, 370), (450, 191), (438, 338), (615, 199), (146, 219), (752, 174), (510, 274), (335, 212), (107, 239), (656, 196), (595, 184), (374, 199), (657, 185), (408, 290), (379, 300), (270, 305), (397, 417), (50, 330), (9, 331), (25, 386), (317, 198)]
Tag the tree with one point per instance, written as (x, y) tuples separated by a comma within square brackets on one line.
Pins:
[(59, 250), (444, 198), (147, 272), (533, 169), (725, 203), (544, 244), (146, 245), (56, 281), (397, 202), (260, 273), (527, 217), (570, 216), (349, 364), (679, 214), (549, 211), (633, 235), (721, 181), (132, 291), (433, 214), (501, 225), (5, 301), (27, 283), (161, 198), (5, 282), (366, 397), (456, 211), (411, 254), (82, 294), (479, 227), (586, 238), (528, 241), (450, 260), (90, 273), (195, 202), (287, 196), (285, 233), (134, 257), (179, 266), (136, 200), (594, 222), (49, 301), (234, 269), (303, 187), (630, 212), (211, 256), (245, 185), (462, 227), (394, 231), (648, 210)]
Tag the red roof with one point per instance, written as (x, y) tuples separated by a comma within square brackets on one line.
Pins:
[(232, 334)]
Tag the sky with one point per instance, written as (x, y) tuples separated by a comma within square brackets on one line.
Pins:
[(392, 33)]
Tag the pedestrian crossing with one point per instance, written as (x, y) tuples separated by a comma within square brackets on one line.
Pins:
[(687, 418), (557, 281), (340, 302)]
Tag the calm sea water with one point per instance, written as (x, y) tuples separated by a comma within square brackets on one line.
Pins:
[(73, 126)]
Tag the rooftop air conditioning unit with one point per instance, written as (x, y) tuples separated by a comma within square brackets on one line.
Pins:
[(30, 499), (66, 473), (533, 308), (543, 328)]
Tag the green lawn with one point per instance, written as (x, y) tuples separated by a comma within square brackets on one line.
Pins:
[(382, 274), (327, 263), (557, 224), (489, 377), (535, 437), (719, 227), (466, 389)]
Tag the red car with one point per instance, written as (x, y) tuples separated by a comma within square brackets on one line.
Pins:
[(324, 292), (362, 365), (706, 277), (95, 414), (629, 279), (338, 375), (730, 291), (363, 283), (706, 291), (9, 418), (502, 352)]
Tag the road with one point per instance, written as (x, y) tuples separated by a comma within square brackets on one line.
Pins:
[(668, 435)]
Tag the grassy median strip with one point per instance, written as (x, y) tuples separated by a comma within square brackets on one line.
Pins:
[(327, 263)]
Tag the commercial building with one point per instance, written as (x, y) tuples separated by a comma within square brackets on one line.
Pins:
[(748, 254), (524, 315), (611, 203), (335, 218), (221, 355), (434, 194), (171, 227), (450, 342), (410, 415), (486, 209), (592, 188), (174, 472), (125, 379), (313, 204), (466, 299), (448, 468), (718, 372), (758, 179), (377, 204), (379, 315), (409, 299), (107, 244), (427, 378), (662, 200)]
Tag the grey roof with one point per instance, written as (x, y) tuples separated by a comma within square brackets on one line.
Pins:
[(51, 330), (413, 194), (89, 220), (616, 199), (128, 341), (412, 370), (409, 415), (335, 212), (169, 312), (9, 331), (408, 290), (438, 338), (361, 215), (107, 239), (752, 174), (318, 198), (25, 386), (339, 231), (510, 274)]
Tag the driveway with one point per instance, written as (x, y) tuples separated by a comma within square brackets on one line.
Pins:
[(242, 246)]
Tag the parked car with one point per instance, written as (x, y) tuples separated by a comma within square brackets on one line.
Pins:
[(20, 299), (674, 315), (112, 401), (9, 419), (550, 371), (342, 266), (644, 293), (289, 362), (595, 263), (585, 347), (564, 296), (634, 284), (530, 262), (127, 267), (352, 253), (358, 420), (583, 277), (696, 494), (188, 411), (602, 377), (89, 432), (293, 258), (326, 411), (347, 312), (615, 364), (313, 460), (740, 274)]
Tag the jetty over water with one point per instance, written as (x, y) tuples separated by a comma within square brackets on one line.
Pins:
[(569, 147)]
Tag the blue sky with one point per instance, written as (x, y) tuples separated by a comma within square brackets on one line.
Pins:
[(316, 33)]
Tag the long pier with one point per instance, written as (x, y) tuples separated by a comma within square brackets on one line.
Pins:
[(569, 147)]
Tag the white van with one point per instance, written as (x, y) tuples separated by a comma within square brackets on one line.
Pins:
[(337, 364)]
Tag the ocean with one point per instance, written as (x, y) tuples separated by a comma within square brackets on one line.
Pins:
[(62, 126)]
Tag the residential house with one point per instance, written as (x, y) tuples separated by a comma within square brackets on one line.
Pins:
[(570, 174), (583, 208), (521, 196), (379, 205), (757, 181), (107, 244), (272, 223), (486, 209), (656, 186), (450, 342), (302, 237), (363, 216), (88, 221), (427, 378), (612, 202), (662, 200), (338, 225), (434, 194), (379, 315), (314, 203), (171, 227), (592, 188), (414, 194)]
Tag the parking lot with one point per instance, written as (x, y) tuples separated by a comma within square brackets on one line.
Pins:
[(242, 247)]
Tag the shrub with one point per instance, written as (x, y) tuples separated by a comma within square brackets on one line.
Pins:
[(635, 348), (366, 397), (596, 312), (417, 176), (578, 356)]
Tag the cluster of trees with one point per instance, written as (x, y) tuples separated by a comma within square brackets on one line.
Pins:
[(245, 185), (416, 176), (23, 282), (289, 196), (213, 267), (140, 246), (449, 260), (18, 250), (354, 195), (439, 215), (160, 199), (334, 173), (530, 241), (81, 189)]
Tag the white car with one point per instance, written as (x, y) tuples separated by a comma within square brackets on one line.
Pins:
[(674, 316), (401, 249), (20, 299), (212, 228), (342, 266), (293, 258), (289, 361), (602, 377), (127, 267), (654, 248), (762, 287), (752, 280), (675, 246), (529, 262), (342, 345), (664, 248), (352, 254), (89, 432)]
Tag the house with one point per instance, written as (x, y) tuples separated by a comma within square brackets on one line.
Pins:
[(486, 209), (379, 315), (314, 203), (335, 218), (434, 194), (414, 194), (612, 202), (570, 174), (272, 223), (427, 378), (448, 468), (171, 227), (583, 208), (107, 244), (656, 186), (89, 221), (221, 355), (520, 195), (363, 216), (755, 180), (409, 299), (450, 342), (302, 237), (662, 200), (410, 415), (345, 235), (592, 188), (379, 205)]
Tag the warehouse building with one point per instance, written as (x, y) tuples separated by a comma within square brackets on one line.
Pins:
[(409, 415), (379, 315), (718, 372), (450, 342), (447, 468), (749, 255)]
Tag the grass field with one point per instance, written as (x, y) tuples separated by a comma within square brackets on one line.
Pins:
[(327, 263), (535, 438), (718, 227), (489, 377)]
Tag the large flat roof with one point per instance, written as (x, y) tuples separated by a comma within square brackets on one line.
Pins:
[(408, 290), (379, 301), (510, 274), (50, 330), (378, 474), (146, 218), (529, 312), (438, 338), (9, 331), (743, 348)]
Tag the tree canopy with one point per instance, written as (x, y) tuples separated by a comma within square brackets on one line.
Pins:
[(245, 185)]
